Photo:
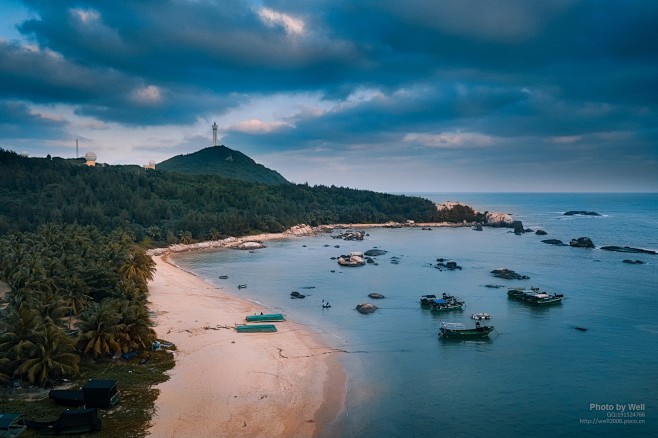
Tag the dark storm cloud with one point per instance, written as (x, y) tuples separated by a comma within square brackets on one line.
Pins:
[(419, 77), (19, 123)]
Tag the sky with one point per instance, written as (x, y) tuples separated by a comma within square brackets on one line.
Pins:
[(392, 96)]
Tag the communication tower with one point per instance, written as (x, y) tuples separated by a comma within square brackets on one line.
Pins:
[(214, 134)]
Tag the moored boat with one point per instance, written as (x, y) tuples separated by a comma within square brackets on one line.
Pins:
[(480, 316), (535, 296), (267, 317), (456, 330), (255, 328)]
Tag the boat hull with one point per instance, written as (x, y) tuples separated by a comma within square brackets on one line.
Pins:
[(477, 333), (255, 328), (270, 317)]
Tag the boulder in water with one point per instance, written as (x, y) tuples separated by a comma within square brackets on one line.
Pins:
[(366, 308)]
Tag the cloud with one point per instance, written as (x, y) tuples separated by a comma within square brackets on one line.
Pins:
[(419, 83)]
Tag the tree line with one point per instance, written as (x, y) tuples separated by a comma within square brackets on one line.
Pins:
[(160, 207)]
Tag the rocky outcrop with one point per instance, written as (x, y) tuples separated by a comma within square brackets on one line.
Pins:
[(376, 296), (351, 235), (582, 242), (354, 259), (366, 308), (581, 213), (508, 274), (295, 294), (541, 233), (628, 249), (442, 264), (556, 242), (633, 262), (494, 219), (250, 245), (375, 252)]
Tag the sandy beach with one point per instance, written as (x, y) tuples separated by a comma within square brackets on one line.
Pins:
[(229, 384)]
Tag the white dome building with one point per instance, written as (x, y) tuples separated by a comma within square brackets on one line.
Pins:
[(91, 158)]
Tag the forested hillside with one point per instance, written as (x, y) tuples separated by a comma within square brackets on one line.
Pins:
[(167, 207), (222, 161)]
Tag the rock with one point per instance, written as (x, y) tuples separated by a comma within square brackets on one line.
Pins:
[(376, 296), (366, 308), (581, 213), (508, 274), (477, 228), (582, 242), (250, 245), (494, 286), (450, 266), (351, 235), (518, 227), (354, 259), (295, 294), (375, 252), (554, 242), (633, 262), (628, 249), (494, 219), (541, 233)]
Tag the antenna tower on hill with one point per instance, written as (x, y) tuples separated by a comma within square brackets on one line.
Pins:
[(214, 134)]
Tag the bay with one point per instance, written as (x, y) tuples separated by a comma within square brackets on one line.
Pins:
[(537, 374)]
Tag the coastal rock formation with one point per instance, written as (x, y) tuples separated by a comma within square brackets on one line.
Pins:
[(351, 235), (250, 245), (541, 233), (376, 296), (508, 274), (375, 252), (447, 265), (302, 230), (628, 249), (557, 242), (354, 259), (295, 294), (494, 219), (581, 213), (582, 242), (633, 262), (366, 308)]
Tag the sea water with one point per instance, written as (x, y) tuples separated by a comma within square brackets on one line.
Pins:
[(537, 374)]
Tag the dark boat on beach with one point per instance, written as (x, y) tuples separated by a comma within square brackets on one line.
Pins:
[(95, 394), (456, 330)]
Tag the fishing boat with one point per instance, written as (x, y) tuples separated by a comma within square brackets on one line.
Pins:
[(480, 316), (456, 330), (255, 328), (535, 296), (446, 302), (267, 317)]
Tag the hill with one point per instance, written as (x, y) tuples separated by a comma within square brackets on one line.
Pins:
[(222, 161)]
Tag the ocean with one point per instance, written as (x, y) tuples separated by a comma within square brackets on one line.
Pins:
[(537, 374)]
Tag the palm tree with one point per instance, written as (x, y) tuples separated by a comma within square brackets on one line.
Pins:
[(100, 330), (137, 266), (18, 332), (51, 355), (135, 317)]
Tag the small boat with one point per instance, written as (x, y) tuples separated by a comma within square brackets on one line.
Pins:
[(255, 328), (11, 425), (535, 296), (326, 305), (242, 286), (480, 316), (71, 421), (67, 397), (445, 303), (267, 317), (456, 330)]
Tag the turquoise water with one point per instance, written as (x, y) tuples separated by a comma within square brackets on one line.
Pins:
[(536, 375)]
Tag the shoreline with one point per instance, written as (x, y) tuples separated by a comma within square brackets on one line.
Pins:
[(281, 384), (245, 399)]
